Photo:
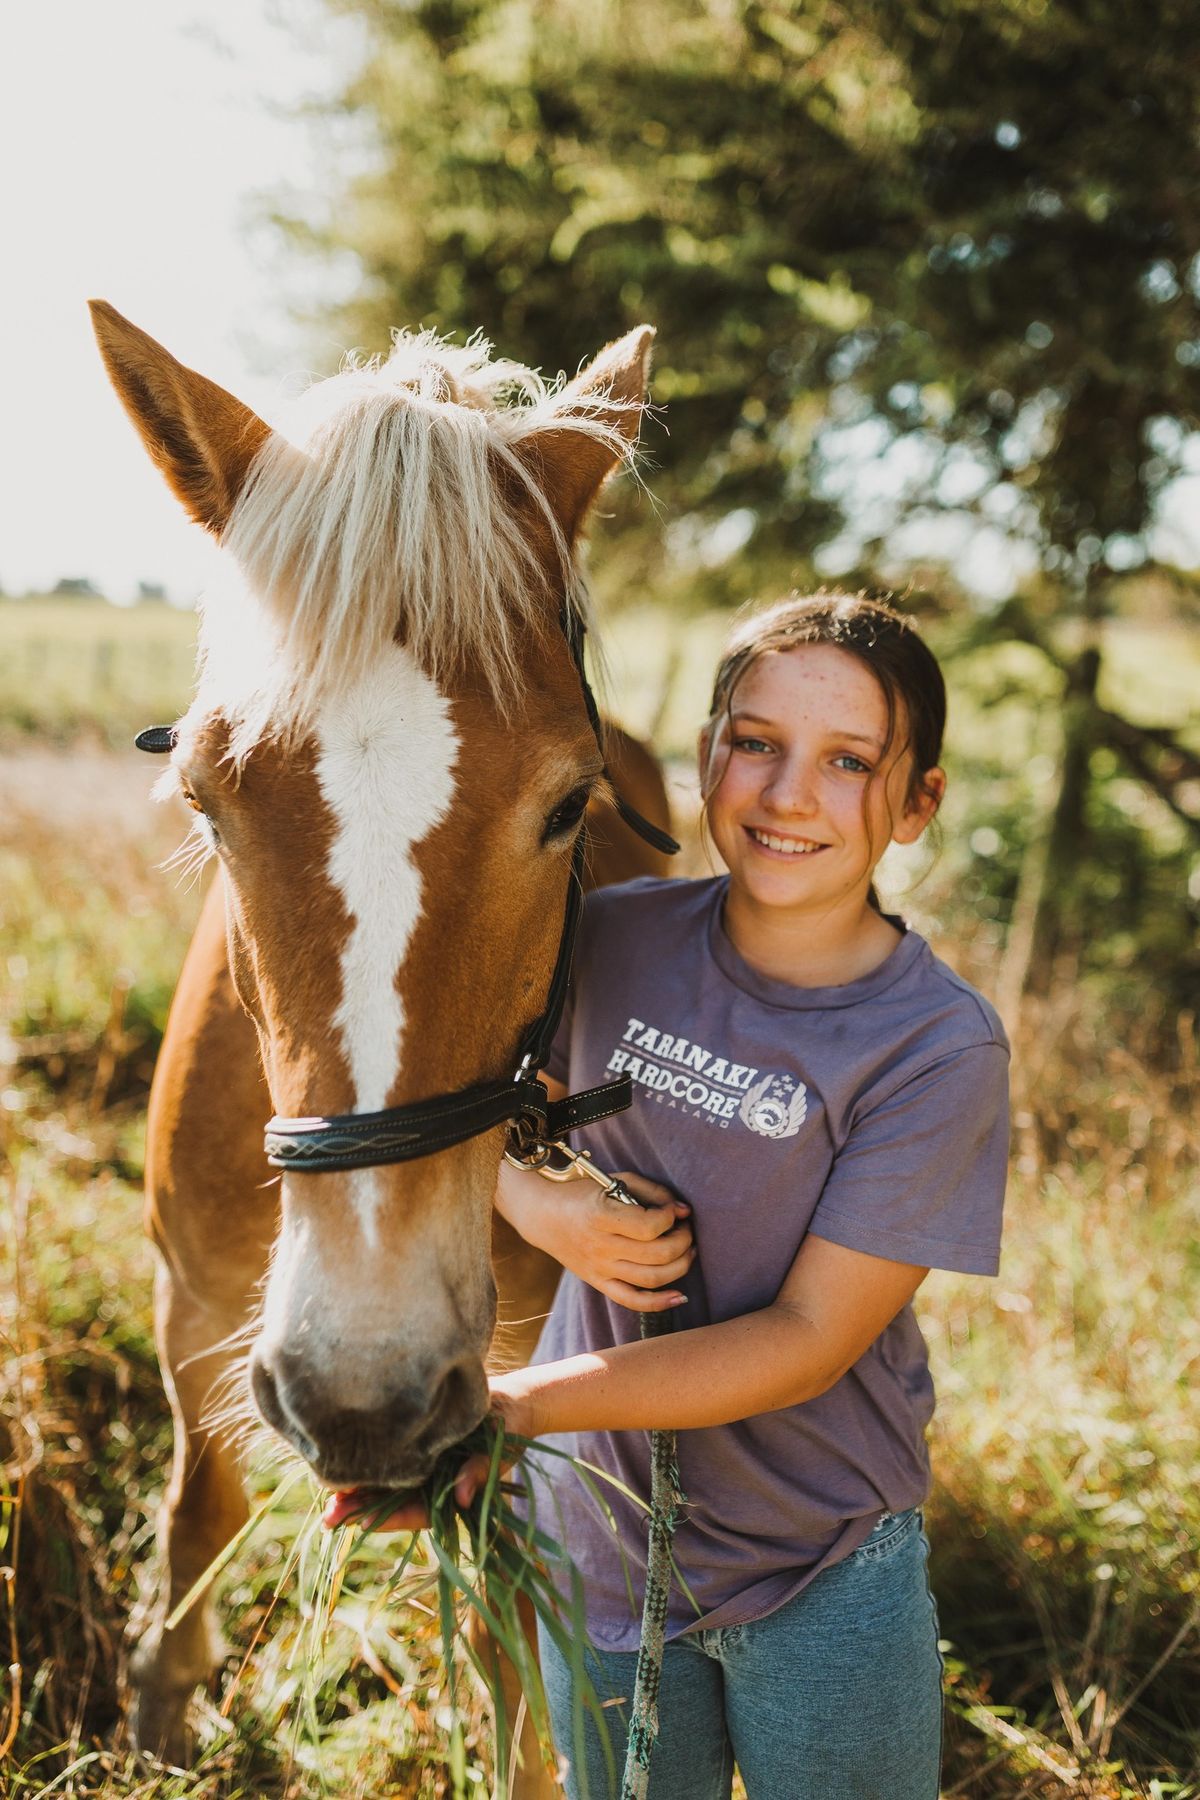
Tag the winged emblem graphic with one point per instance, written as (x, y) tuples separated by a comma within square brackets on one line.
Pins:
[(775, 1107)]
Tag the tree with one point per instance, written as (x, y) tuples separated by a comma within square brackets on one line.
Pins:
[(946, 243), (1046, 301)]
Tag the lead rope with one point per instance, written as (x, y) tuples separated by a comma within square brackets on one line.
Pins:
[(557, 1161), (665, 1500)]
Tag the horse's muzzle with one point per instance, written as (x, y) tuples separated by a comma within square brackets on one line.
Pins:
[(394, 1444)]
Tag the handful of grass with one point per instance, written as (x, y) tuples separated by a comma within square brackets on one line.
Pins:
[(483, 1559)]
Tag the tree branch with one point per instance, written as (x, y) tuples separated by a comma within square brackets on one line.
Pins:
[(1141, 766), (1124, 735)]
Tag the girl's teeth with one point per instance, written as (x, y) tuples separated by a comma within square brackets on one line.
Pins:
[(789, 846)]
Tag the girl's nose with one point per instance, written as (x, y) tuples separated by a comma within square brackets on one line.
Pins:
[(793, 788)]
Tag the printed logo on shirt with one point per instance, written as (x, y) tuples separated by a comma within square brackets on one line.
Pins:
[(776, 1107), (689, 1078)]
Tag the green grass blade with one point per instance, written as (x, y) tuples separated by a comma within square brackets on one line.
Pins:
[(230, 1550)]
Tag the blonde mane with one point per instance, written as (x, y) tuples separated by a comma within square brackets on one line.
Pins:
[(385, 508)]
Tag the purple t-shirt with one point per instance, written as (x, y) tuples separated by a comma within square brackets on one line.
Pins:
[(874, 1115)]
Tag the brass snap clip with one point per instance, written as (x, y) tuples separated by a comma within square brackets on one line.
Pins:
[(565, 1164)]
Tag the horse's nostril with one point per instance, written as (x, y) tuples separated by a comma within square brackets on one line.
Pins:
[(459, 1402), (264, 1387)]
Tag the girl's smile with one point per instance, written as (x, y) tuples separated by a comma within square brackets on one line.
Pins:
[(783, 846)]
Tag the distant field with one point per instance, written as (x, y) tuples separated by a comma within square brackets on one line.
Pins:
[(74, 669)]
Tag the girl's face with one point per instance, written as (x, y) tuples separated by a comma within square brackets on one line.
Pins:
[(807, 797)]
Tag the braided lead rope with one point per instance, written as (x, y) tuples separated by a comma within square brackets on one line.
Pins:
[(665, 1500)]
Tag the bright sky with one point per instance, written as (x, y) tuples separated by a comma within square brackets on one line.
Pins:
[(135, 136), (138, 139)]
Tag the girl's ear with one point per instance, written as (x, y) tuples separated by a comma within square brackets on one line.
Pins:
[(921, 807)]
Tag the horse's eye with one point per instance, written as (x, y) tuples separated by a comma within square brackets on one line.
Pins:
[(566, 814), (203, 821)]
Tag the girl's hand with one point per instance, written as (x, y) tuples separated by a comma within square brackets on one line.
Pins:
[(633, 1255), (360, 1504)]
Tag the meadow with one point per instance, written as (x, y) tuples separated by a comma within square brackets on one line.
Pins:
[(1066, 1513)]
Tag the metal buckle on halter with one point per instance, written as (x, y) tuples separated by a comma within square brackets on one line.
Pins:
[(577, 1164), (526, 1148)]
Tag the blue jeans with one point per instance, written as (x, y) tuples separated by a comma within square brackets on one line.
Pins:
[(836, 1695)]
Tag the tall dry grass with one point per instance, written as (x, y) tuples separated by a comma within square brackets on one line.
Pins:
[(1066, 1519)]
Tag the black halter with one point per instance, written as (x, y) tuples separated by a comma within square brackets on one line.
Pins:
[(520, 1101)]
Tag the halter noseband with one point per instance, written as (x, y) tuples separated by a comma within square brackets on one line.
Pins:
[(520, 1101)]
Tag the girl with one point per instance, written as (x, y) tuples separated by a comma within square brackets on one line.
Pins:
[(819, 1119)]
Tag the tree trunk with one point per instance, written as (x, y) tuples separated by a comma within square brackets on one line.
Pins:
[(1029, 903), (1059, 922)]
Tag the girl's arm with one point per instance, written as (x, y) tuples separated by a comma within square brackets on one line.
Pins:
[(832, 1306)]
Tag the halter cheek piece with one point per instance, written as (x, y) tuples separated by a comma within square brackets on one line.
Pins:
[(536, 1123)]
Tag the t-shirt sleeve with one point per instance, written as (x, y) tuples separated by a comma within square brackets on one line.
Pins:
[(921, 1177)]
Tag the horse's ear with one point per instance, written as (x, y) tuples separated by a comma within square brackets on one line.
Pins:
[(202, 438), (570, 466)]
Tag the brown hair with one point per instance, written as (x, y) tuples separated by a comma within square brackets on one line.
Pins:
[(876, 635)]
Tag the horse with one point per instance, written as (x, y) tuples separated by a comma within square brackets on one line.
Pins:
[(390, 754)]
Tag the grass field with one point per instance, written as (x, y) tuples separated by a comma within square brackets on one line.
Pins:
[(1066, 1517), (81, 669)]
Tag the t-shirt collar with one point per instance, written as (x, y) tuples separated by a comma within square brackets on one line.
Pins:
[(772, 992)]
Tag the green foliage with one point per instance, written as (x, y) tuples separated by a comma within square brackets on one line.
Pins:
[(927, 285), (560, 173), (971, 225), (1066, 1472), (1003, 736), (1043, 300)]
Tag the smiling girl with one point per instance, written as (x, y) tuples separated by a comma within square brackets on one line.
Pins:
[(819, 1119)]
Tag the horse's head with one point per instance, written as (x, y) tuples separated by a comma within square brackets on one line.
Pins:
[(390, 754)]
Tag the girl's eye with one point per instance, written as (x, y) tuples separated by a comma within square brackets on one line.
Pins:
[(854, 765), (567, 814), (753, 744)]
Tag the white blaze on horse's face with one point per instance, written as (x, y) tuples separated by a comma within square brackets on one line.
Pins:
[(340, 1319), (380, 1305), (386, 770)]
